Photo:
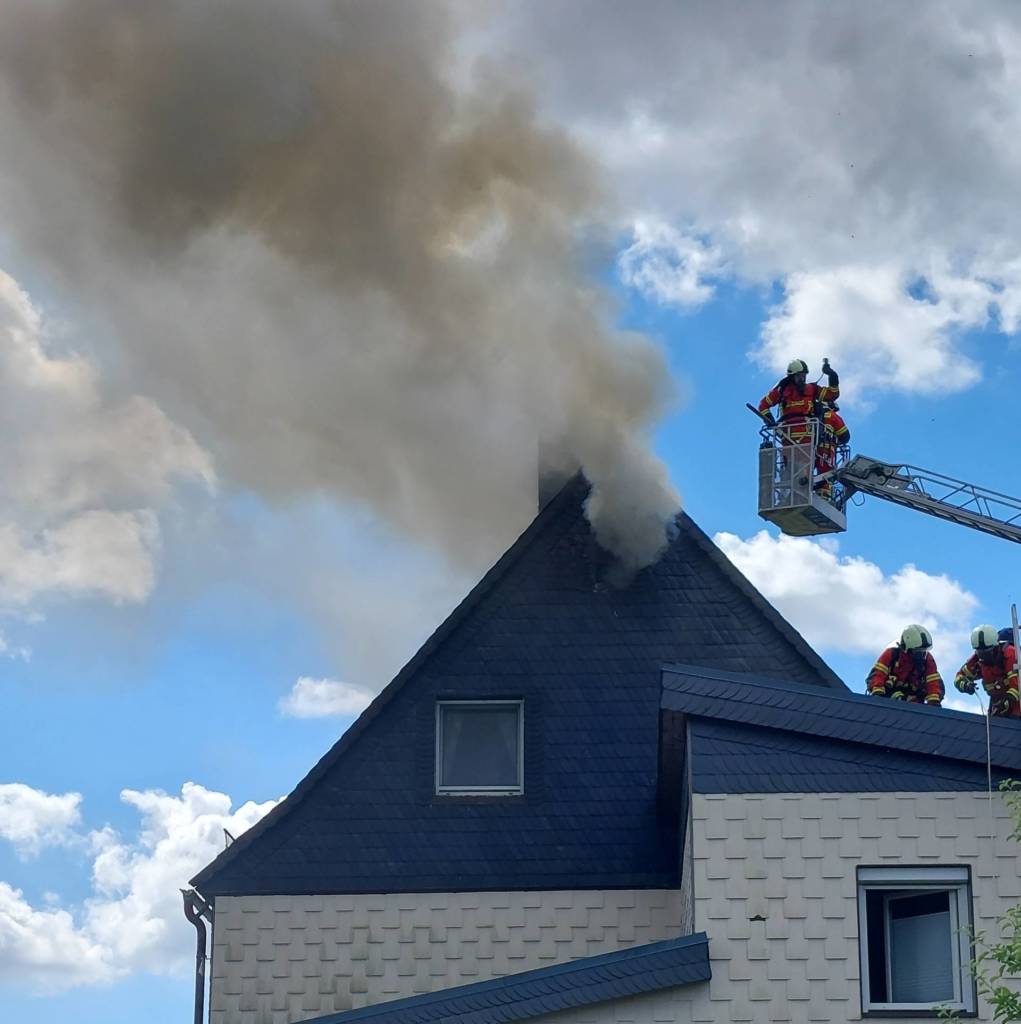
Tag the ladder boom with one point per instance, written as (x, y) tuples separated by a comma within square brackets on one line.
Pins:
[(935, 494)]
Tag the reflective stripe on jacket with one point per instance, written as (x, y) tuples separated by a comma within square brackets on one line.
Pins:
[(834, 432), (834, 428), (796, 406), (894, 675), (999, 680)]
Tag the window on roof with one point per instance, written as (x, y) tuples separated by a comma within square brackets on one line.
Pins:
[(480, 746), (914, 928)]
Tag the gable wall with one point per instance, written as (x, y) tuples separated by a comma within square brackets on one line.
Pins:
[(586, 659), (278, 959), (791, 858)]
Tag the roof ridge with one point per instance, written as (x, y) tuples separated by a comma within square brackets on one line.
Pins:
[(347, 739), (793, 686)]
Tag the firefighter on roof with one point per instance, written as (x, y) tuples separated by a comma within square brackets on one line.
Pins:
[(907, 671), (995, 662), (833, 433), (800, 402)]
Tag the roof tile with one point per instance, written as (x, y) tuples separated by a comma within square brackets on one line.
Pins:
[(543, 624), (633, 971), (786, 737)]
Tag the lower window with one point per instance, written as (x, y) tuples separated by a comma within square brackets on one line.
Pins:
[(914, 930)]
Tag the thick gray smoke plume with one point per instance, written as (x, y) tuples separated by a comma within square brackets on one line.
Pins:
[(342, 273)]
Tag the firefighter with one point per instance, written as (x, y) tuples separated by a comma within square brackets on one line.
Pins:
[(907, 671), (833, 433), (798, 401), (995, 663)]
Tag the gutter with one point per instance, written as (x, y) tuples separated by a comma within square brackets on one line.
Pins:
[(196, 909)]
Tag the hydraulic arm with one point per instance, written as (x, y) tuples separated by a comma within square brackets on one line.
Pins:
[(935, 494), (793, 492)]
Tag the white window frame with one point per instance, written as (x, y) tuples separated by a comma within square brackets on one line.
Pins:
[(919, 881), (516, 790)]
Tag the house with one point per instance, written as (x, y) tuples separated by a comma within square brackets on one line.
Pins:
[(649, 803)]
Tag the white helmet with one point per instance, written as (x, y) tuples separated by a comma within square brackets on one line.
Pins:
[(983, 636), (797, 366), (916, 637)]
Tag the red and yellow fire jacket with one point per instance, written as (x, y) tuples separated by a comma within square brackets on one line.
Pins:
[(894, 675), (999, 679), (834, 428), (797, 407), (834, 432)]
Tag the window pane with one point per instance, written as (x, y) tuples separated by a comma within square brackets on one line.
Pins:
[(921, 948), (479, 746)]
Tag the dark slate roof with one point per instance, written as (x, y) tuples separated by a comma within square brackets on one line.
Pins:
[(544, 625), (595, 979), (732, 758), (786, 737)]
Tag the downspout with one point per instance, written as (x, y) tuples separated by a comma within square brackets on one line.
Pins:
[(194, 909)]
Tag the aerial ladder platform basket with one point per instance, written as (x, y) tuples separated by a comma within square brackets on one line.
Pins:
[(789, 494), (805, 503)]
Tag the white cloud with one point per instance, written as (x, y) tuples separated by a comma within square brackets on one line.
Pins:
[(84, 476), (19, 652), (323, 698), (32, 819), (874, 329), (670, 266), (98, 552), (806, 155), (847, 604), (133, 921), (136, 912), (45, 949)]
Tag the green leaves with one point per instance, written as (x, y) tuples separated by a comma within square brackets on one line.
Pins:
[(998, 962)]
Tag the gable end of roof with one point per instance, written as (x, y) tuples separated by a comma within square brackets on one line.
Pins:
[(532, 534)]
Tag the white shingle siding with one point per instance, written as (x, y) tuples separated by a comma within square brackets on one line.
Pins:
[(279, 959), (792, 858), (789, 858)]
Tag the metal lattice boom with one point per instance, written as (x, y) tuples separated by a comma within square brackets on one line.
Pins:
[(935, 494)]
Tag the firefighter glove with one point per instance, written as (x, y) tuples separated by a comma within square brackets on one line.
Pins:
[(965, 685)]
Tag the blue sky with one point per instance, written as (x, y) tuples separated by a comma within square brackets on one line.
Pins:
[(198, 700), (245, 481)]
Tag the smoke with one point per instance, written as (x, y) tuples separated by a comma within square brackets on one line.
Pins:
[(345, 274)]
